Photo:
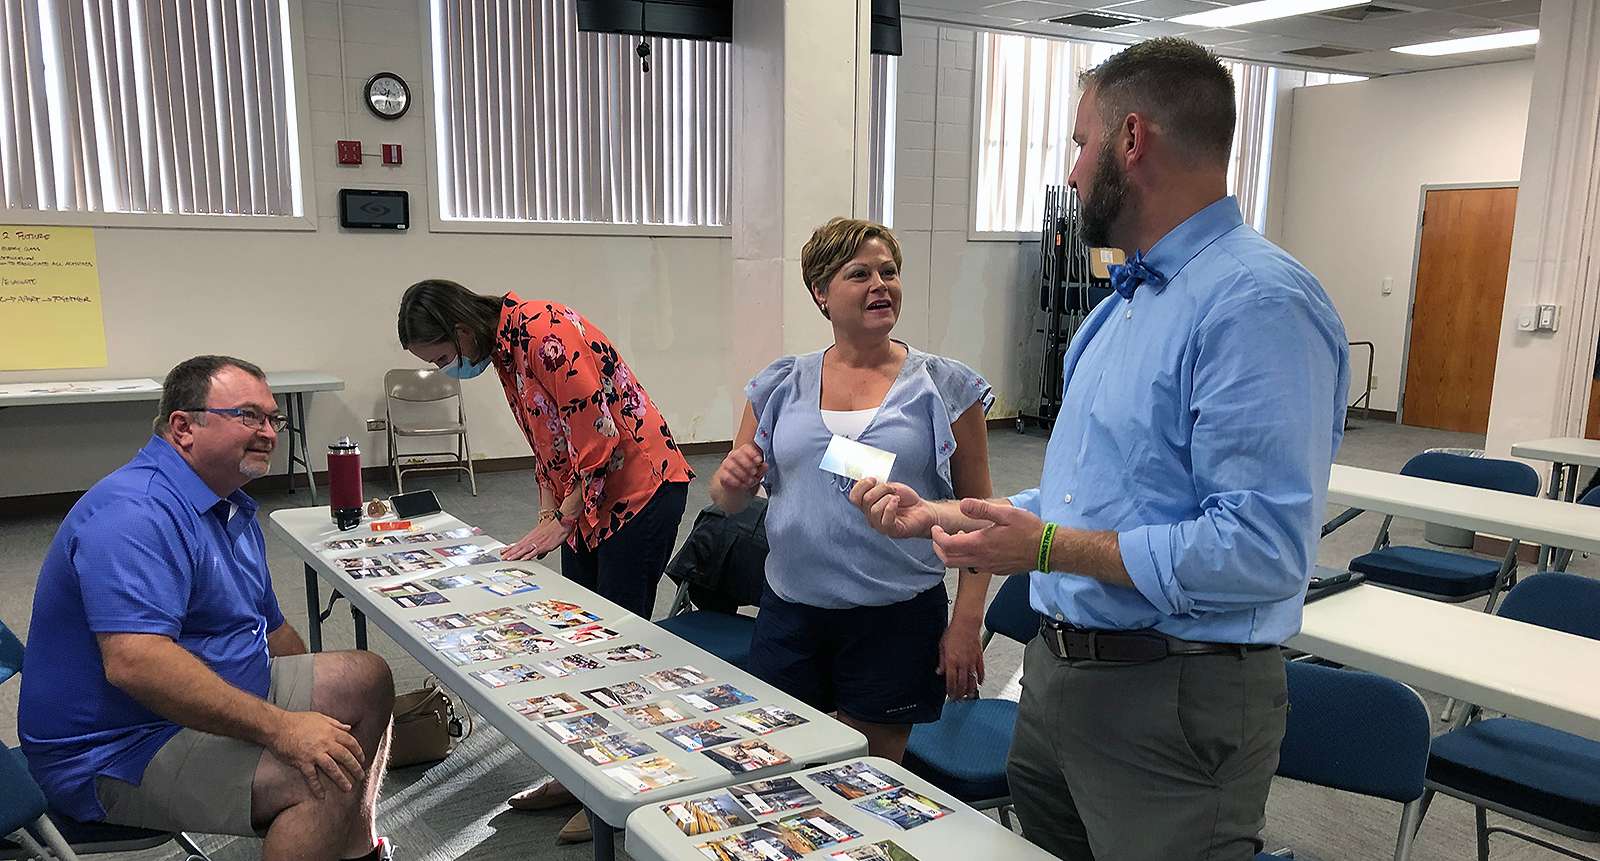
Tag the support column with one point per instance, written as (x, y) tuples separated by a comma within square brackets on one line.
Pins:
[(801, 91), (1541, 380)]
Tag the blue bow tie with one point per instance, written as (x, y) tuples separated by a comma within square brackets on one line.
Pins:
[(1126, 277)]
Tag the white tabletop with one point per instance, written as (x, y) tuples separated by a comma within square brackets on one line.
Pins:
[(820, 740), (144, 389), (963, 833), (1531, 519), (1523, 670), (1561, 449), (79, 392), (289, 382)]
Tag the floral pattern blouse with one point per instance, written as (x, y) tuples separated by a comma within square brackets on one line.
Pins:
[(585, 415)]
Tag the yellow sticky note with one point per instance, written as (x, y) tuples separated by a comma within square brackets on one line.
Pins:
[(50, 299)]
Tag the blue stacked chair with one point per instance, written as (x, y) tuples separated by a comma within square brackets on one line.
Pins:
[(1444, 576), (964, 752), (1360, 733), (23, 811), (1518, 768)]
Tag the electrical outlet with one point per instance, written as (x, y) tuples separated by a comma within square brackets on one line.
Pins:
[(377, 425), (1547, 318)]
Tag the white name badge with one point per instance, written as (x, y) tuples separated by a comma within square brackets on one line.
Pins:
[(856, 460)]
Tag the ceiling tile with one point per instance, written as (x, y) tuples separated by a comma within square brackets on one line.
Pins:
[(1503, 8), (1029, 10), (1152, 29), (1164, 9)]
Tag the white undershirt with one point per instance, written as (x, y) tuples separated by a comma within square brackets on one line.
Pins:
[(848, 423)]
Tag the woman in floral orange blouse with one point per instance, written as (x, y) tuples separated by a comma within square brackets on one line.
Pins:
[(612, 483)]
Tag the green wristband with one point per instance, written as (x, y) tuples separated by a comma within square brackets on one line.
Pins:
[(1044, 547)]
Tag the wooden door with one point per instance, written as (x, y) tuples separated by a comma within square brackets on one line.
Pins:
[(1456, 308)]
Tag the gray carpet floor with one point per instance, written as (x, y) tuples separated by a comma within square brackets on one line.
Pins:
[(456, 808)]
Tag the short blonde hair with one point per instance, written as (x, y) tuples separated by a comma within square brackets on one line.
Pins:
[(833, 244)]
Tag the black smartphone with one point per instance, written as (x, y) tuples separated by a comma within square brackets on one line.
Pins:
[(414, 504), (1322, 587)]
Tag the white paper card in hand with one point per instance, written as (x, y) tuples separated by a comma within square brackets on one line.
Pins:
[(857, 460)]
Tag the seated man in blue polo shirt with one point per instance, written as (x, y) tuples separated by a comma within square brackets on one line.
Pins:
[(163, 687)]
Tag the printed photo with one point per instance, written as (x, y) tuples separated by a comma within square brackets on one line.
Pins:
[(511, 632), (350, 563), (343, 544), (496, 616), (717, 697), (856, 780), (814, 829), (383, 540), (611, 748), (510, 674), (563, 667), (619, 695), (752, 754), (572, 620), (423, 537), (473, 654), (658, 713), (461, 532), (410, 595), (699, 735), (883, 850), (447, 622), (903, 808), (643, 775), (587, 634), (570, 729), (705, 815), (461, 551), (762, 843), (505, 586), (452, 581), (778, 794), (459, 638), (677, 679), (532, 646), (407, 557), (766, 719), (548, 706), (373, 571), (631, 654), (552, 608)]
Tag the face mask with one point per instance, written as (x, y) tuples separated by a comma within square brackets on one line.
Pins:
[(460, 370)]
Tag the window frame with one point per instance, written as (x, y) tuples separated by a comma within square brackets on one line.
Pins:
[(306, 221), (437, 223)]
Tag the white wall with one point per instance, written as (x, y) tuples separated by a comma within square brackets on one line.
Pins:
[(1357, 156), (326, 300), (977, 297)]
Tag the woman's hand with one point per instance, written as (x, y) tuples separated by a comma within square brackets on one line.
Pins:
[(550, 534), (741, 471), (894, 509), (961, 659)]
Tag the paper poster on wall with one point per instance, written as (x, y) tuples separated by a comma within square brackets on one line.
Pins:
[(50, 299)]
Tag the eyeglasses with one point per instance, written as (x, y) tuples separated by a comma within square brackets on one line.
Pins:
[(250, 417)]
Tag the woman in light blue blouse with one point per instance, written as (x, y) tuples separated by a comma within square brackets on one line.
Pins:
[(852, 621)]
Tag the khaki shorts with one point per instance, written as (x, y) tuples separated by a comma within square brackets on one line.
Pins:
[(202, 782)]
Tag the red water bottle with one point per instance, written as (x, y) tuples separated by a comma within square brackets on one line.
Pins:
[(344, 483)]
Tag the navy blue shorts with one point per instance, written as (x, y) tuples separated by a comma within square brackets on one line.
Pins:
[(875, 664)]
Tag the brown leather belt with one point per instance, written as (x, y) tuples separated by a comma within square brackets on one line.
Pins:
[(1070, 642)]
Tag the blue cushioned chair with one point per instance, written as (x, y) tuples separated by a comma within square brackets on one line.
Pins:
[(1453, 577), (1528, 772), (964, 751), (720, 568), (23, 811), (1359, 733)]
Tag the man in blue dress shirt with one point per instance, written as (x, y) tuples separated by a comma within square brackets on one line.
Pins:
[(163, 688), (1175, 526)]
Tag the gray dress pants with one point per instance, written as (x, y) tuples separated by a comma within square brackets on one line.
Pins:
[(1164, 761)]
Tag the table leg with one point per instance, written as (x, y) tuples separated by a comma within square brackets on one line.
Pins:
[(1558, 472), (299, 399), (360, 620), (605, 837), (313, 610)]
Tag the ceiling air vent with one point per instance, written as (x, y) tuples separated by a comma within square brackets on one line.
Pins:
[(1096, 20), (1321, 52), (1369, 12)]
